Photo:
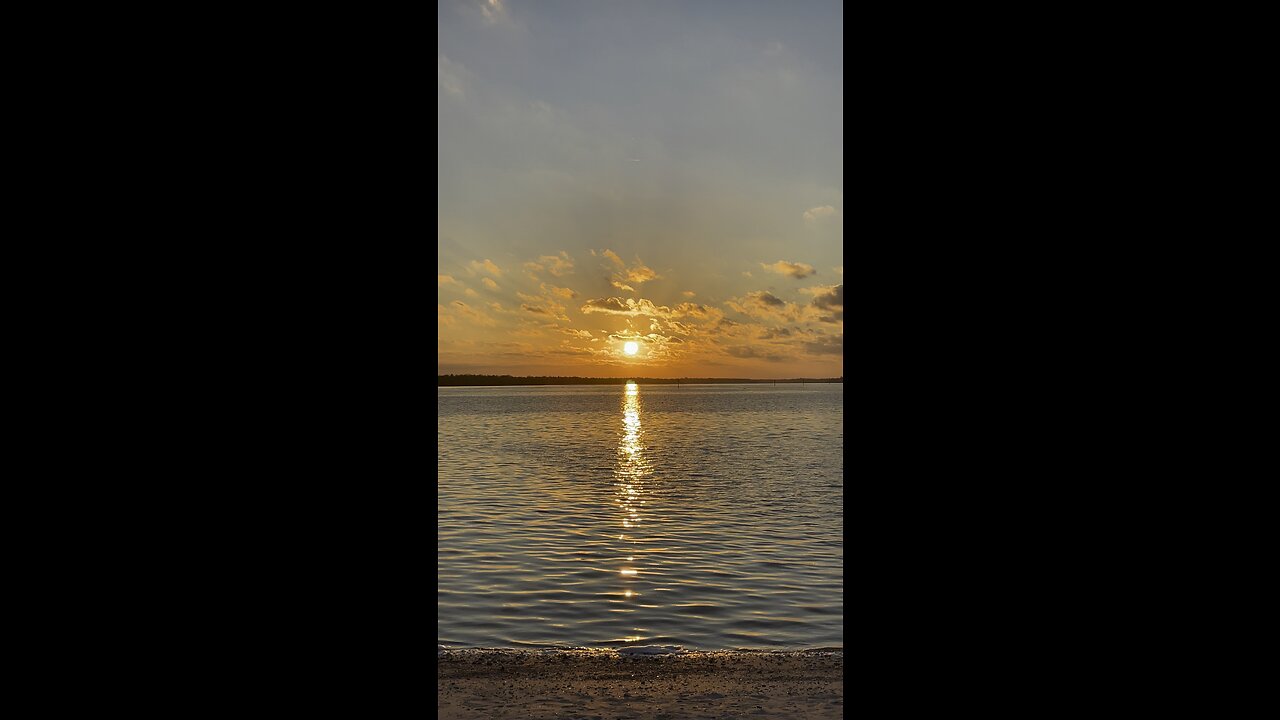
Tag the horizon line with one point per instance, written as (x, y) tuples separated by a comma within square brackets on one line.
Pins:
[(623, 377), (474, 379)]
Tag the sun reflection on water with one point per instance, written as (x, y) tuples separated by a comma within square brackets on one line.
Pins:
[(630, 474)]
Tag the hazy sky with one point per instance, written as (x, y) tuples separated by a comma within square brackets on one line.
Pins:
[(665, 172)]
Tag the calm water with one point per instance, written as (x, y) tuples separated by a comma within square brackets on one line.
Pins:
[(708, 516)]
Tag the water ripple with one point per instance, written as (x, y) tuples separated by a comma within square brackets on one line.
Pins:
[(702, 516)]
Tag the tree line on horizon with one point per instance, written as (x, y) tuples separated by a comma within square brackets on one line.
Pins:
[(460, 380)]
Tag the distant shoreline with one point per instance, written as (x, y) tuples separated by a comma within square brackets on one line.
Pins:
[(503, 380)]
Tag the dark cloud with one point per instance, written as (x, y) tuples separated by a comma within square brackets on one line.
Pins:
[(833, 298), (696, 311), (768, 298), (743, 351), (826, 345), (762, 304), (790, 269), (607, 305), (833, 301)]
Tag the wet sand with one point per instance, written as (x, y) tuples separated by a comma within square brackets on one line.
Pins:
[(602, 685)]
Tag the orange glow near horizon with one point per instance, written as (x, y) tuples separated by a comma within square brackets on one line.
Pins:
[(518, 318)]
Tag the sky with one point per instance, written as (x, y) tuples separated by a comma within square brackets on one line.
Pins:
[(664, 173)]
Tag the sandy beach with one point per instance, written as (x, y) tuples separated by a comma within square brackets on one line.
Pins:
[(603, 685)]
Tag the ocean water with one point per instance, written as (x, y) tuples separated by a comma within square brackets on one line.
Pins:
[(707, 516)]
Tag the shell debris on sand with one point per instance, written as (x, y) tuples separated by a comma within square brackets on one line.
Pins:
[(641, 650), (639, 683)]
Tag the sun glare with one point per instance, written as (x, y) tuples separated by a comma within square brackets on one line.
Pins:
[(631, 348)]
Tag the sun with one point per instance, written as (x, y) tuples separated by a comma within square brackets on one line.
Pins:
[(631, 348)]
